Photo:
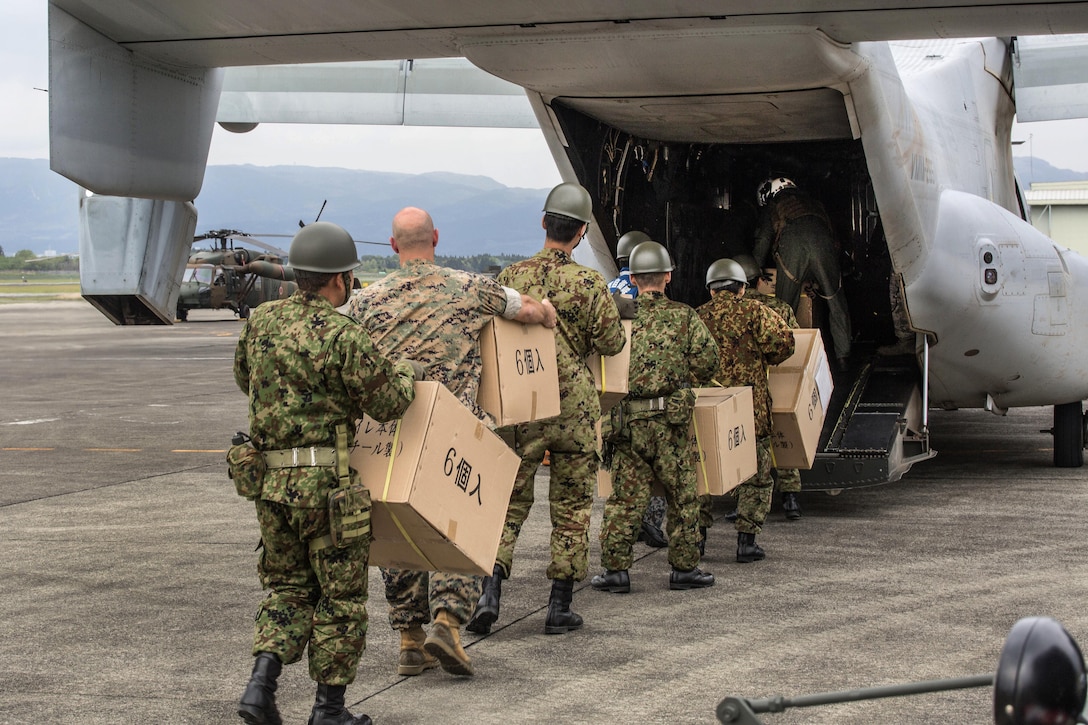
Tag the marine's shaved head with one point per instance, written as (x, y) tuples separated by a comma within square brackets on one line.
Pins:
[(413, 229)]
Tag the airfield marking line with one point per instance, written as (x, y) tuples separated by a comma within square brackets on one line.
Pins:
[(113, 450), (28, 449)]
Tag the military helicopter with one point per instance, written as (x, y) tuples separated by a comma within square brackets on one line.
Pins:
[(235, 278)]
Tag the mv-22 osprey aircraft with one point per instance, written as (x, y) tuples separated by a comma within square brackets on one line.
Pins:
[(672, 115)]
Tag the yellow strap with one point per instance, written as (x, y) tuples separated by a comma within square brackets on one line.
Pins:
[(702, 458), (385, 500), (603, 386)]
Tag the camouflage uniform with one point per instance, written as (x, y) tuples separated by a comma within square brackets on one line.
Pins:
[(795, 228), (789, 479), (671, 349), (588, 321), (655, 510), (432, 315), (750, 337), (307, 369)]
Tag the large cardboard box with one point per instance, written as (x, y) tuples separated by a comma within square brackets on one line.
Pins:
[(801, 389), (610, 372), (440, 483), (520, 378), (724, 430)]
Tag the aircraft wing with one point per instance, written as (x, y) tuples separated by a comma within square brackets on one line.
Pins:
[(1051, 77), (428, 92)]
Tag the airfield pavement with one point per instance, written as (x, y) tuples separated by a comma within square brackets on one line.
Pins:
[(129, 583)]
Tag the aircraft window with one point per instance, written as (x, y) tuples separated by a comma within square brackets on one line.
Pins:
[(202, 275)]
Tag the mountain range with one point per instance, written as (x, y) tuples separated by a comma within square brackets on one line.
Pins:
[(474, 214)]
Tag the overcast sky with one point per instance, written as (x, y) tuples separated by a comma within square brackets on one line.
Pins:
[(515, 157)]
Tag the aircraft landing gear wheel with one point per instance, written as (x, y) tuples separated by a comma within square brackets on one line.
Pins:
[(1069, 434), (183, 314), (243, 312)]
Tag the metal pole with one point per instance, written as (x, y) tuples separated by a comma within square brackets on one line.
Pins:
[(779, 704)]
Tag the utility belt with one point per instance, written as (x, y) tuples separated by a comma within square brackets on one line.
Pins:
[(645, 405), (348, 503)]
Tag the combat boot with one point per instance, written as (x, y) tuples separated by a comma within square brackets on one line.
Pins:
[(791, 506), (652, 536), (617, 581), (747, 548), (560, 619), (691, 579), (413, 658), (329, 708), (487, 609), (444, 642), (258, 704)]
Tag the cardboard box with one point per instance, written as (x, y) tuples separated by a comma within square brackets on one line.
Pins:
[(520, 378), (724, 429), (440, 483), (610, 372), (801, 389)]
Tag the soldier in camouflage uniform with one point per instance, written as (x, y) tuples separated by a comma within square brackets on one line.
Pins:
[(750, 337), (795, 229), (789, 479), (310, 373), (652, 521), (671, 349), (588, 322), (435, 314)]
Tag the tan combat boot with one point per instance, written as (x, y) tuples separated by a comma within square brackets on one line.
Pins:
[(413, 658), (444, 642)]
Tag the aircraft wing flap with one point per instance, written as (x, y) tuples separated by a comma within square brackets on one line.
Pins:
[(433, 92), (1050, 75)]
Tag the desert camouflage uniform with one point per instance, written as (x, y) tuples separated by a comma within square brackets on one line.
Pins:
[(307, 369), (750, 337), (588, 321), (789, 479), (671, 349), (795, 229), (432, 315)]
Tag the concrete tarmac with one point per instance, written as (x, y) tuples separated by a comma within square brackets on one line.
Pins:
[(129, 586)]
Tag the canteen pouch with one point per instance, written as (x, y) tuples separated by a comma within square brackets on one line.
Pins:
[(349, 514), (679, 407), (245, 465)]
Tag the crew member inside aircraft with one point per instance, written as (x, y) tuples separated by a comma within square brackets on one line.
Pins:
[(761, 290), (652, 533), (649, 431), (310, 373), (795, 232), (588, 321), (437, 313), (750, 337)]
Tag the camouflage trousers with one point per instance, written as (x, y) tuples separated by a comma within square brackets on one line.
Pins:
[(570, 497), (789, 480), (802, 257), (656, 450), (753, 496), (316, 600), (655, 511), (415, 597)]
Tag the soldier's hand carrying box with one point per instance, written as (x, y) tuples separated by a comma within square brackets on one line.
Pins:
[(800, 391), (520, 378), (723, 427), (440, 483), (610, 372)]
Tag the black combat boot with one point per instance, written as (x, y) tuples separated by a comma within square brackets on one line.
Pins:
[(747, 548), (560, 619), (617, 581), (258, 704), (487, 609), (702, 540), (791, 506), (691, 579), (652, 536), (329, 708)]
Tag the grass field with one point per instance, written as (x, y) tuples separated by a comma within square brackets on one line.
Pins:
[(17, 287)]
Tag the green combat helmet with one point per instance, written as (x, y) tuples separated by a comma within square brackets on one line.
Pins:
[(649, 257), (748, 263), (570, 200), (629, 241), (724, 270), (322, 247)]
